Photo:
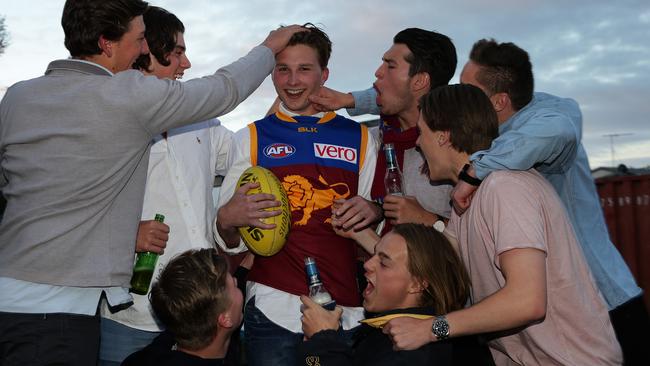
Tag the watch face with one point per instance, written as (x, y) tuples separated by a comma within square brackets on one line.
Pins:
[(440, 328), (439, 226)]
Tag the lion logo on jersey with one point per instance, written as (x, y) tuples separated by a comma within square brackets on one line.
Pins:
[(303, 196)]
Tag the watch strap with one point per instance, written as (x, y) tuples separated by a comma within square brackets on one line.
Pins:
[(468, 178)]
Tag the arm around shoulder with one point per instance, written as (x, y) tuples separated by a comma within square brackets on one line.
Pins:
[(548, 139), (522, 301)]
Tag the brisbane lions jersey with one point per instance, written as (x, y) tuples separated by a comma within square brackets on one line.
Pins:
[(317, 161)]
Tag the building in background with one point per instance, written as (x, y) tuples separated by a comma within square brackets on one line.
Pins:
[(625, 199)]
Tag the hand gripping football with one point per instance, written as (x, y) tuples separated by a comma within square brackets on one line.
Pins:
[(259, 241)]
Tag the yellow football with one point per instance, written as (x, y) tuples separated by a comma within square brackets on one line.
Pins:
[(259, 241)]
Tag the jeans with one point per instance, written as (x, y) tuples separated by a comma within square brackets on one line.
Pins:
[(270, 344), (118, 341), (632, 326), (45, 339)]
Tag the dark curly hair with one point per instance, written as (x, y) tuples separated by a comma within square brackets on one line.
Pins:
[(162, 28)]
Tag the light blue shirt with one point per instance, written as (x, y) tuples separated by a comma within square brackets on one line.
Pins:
[(546, 135), (365, 102)]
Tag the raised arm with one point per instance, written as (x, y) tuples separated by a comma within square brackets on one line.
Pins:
[(165, 104), (356, 102), (520, 302), (547, 141), (517, 245), (365, 102)]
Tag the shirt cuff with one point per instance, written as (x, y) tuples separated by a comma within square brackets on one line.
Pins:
[(365, 102)]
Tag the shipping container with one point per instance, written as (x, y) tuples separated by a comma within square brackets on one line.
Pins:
[(626, 204)]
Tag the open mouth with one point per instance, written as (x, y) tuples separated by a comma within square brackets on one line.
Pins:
[(294, 93), (370, 287), (178, 76), (378, 99)]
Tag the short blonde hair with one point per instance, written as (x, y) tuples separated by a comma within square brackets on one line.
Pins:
[(189, 296)]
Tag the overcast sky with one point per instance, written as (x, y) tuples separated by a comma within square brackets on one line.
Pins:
[(597, 52)]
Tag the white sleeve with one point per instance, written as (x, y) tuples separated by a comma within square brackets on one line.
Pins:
[(373, 138), (239, 159), (367, 173), (221, 141)]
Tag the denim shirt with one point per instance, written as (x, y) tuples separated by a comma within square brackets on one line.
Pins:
[(546, 135), (365, 101)]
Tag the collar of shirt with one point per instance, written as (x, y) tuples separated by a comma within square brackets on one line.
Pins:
[(290, 113), (91, 63)]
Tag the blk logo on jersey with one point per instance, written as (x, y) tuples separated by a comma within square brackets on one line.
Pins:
[(327, 151), (279, 150)]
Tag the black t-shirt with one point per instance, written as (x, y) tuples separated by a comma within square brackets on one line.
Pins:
[(161, 353)]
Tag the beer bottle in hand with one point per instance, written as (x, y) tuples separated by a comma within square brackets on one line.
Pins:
[(393, 179), (145, 264), (317, 291)]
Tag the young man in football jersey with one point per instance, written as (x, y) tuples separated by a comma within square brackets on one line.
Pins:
[(318, 157)]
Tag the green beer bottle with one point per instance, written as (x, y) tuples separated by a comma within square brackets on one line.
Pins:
[(145, 264)]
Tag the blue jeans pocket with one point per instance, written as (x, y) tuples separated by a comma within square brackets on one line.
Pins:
[(266, 342)]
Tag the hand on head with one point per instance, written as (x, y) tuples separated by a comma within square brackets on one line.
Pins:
[(277, 39)]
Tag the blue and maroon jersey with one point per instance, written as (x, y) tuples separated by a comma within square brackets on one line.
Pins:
[(317, 161)]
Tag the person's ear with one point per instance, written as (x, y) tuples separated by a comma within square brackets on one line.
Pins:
[(224, 320), (500, 101), (324, 76), (106, 46), (443, 137), (421, 81), (417, 286)]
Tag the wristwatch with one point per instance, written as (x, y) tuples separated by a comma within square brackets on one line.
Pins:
[(440, 327), (439, 225), (468, 178)]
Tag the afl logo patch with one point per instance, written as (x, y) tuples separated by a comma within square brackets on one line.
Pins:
[(279, 150)]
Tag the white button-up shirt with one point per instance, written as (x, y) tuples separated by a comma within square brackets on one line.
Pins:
[(179, 185)]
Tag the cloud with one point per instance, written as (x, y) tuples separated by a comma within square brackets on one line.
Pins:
[(645, 17)]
